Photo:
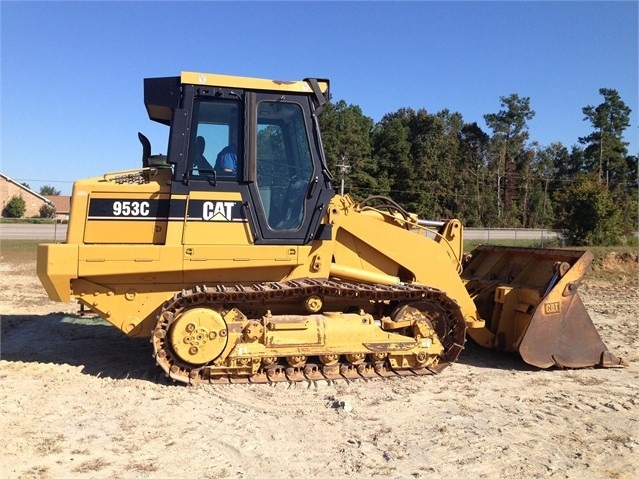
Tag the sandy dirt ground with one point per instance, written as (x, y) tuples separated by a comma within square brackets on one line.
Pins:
[(80, 400)]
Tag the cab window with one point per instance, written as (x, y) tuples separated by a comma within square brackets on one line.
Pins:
[(215, 139)]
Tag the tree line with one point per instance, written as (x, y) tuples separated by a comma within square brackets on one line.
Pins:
[(438, 166)]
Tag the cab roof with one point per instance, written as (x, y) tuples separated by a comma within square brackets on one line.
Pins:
[(249, 83), (162, 94)]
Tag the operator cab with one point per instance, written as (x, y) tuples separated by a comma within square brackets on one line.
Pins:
[(255, 137)]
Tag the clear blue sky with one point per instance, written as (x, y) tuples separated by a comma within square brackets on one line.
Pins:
[(71, 78)]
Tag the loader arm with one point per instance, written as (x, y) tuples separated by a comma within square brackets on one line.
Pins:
[(374, 246)]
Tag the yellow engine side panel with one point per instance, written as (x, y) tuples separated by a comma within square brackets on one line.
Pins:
[(107, 216)]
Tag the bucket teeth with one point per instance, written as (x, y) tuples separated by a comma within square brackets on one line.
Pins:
[(609, 360)]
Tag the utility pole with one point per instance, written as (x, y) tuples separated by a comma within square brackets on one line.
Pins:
[(343, 169)]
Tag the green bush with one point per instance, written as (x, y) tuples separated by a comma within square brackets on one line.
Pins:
[(47, 211), (591, 216), (15, 208)]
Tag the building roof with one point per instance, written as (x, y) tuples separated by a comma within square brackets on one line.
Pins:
[(28, 190), (61, 203)]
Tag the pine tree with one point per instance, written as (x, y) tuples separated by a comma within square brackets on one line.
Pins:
[(510, 157), (605, 150)]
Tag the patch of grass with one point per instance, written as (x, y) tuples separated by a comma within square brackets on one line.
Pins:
[(93, 465), (602, 253), (36, 472), (84, 452), (50, 445), (143, 466), (614, 263), (14, 251), (26, 221)]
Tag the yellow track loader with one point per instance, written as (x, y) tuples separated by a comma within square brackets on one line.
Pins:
[(235, 257)]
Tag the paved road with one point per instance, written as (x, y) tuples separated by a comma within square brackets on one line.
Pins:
[(52, 232)]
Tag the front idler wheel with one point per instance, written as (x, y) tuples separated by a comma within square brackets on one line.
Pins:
[(198, 336)]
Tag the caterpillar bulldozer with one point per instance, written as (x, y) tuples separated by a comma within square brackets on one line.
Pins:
[(234, 255)]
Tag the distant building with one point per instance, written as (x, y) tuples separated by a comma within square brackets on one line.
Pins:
[(62, 206), (33, 201)]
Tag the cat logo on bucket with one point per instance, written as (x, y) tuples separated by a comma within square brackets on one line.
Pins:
[(551, 308)]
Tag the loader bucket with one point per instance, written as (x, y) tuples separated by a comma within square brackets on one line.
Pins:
[(529, 301)]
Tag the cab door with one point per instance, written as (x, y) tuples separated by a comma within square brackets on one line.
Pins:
[(290, 192)]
